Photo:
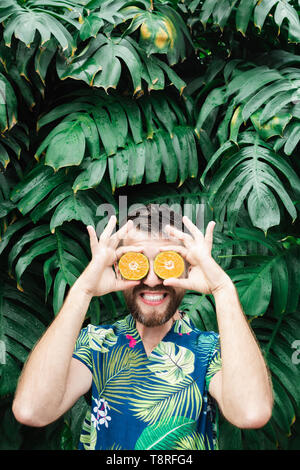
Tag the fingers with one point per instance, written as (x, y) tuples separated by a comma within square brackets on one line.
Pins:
[(182, 250), (177, 282), (93, 238), (185, 237), (196, 233), (192, 228), (209, 234), (123, 285), (124, 249), (109, 228), (94, 242), (117, 237), (106, 234)]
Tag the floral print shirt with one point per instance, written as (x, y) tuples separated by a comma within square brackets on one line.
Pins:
[(155, 402)]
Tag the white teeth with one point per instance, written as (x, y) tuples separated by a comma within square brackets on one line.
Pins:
[(153, 297)]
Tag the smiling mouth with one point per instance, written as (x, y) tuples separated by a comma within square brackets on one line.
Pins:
[(153, 298)]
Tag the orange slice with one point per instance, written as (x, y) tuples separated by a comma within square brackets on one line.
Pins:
[(133, 265), (168, 264)]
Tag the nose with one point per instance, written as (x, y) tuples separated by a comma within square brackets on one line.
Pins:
[(152, 279)]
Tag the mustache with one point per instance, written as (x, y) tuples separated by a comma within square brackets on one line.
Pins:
[(141, 287)]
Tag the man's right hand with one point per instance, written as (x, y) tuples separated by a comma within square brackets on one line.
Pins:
[(51, 374), (99, 278)]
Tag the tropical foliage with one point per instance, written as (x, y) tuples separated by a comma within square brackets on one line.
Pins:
[(194, 104)]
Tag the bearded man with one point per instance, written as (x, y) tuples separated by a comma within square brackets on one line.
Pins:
[(155, 379)]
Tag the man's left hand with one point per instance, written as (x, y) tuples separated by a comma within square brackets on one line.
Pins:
[(205, 275)]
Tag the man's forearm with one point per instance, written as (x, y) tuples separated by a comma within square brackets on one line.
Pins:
[(43, 380), (246, 386)]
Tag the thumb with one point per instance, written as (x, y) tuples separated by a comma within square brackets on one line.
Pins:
[(175, 282), (123, 285)]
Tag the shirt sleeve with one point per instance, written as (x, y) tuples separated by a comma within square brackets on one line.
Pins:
[(215, 363), (82, 350)]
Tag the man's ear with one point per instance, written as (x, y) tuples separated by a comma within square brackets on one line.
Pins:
[(189, 267), (116, 269)]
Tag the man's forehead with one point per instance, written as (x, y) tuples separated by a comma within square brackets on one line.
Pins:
[(140, 237)]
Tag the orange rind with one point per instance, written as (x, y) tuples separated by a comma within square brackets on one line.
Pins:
[(133, 265), (168, 264)]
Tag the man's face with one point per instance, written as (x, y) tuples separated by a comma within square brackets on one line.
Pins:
[(150, 302)]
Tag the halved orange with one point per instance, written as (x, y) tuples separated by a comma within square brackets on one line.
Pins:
[(133, 265), (168, 264)]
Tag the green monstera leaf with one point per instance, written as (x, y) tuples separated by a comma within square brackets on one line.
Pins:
[(101, 339), (162, 29), (164, 436), (195, 441), (89, 438), (170, 365), (248, 174), (47, 18), (101, 98), (160, 398), (247, 11)]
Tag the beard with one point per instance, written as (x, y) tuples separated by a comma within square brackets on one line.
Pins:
[(155, 316)]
